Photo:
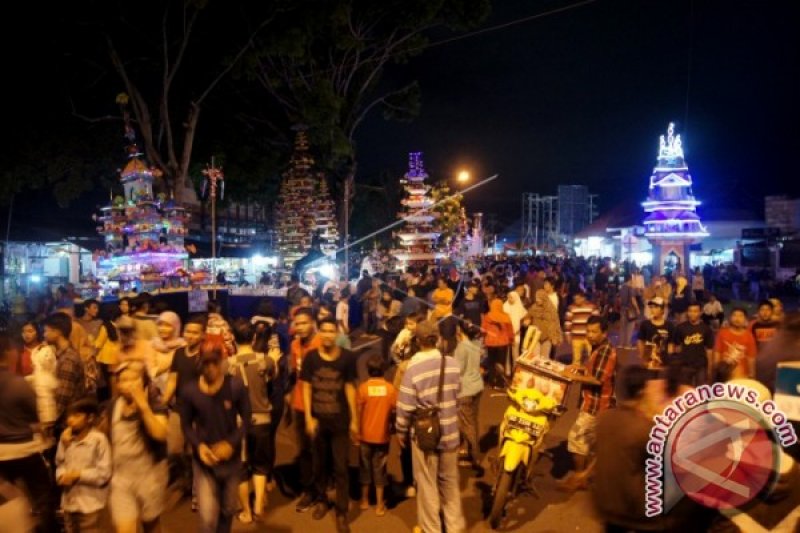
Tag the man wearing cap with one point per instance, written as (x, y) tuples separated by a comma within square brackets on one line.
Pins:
[(655, 334), (209, 410), (436, 473)]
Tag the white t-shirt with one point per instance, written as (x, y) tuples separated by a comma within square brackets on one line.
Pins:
[(342, 315), (554, 298)]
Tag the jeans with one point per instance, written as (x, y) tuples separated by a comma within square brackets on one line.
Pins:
[(217, 495), (436, 475), (694, 375), (626, 328), (498, 358), (337, 441), (95, 522), (304, 455), (35, 473), (468, 424)]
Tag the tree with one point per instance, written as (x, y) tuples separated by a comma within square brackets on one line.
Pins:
[(169, 59), (323, 65)]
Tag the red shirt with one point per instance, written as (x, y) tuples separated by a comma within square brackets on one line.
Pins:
[(738, 349), (376, 399), (298, 352)]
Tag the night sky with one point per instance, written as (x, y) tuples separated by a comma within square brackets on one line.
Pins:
[(578, 97), (582, 96)]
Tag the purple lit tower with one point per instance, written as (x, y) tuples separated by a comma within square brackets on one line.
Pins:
[(143, 233), (418, 237), (672, 224)]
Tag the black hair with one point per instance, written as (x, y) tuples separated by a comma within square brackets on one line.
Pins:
[(375, 365), (60, 322), (739, 309), (767, 303), (90, 301), (309, 312), (469, 329), (598, 320), (34, 325), (417, 317), (265, 308), (694, 304), (551, 280), (214, 307), (328, 320), (243, 331), (86, 406), (197, 318), (111, 313), (633, 380)]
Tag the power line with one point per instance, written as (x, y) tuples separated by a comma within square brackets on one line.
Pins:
[(505, 25)]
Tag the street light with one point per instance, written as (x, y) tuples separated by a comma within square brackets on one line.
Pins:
[(463, 176)]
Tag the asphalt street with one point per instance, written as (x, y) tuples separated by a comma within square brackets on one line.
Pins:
[(549, 511)]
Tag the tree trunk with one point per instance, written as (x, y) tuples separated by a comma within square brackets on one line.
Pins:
[(182, 172)]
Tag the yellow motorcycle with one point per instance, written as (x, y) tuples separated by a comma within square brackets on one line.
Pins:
[(525, 424)]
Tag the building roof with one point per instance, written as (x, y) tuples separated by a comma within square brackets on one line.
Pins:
[(621, 216)]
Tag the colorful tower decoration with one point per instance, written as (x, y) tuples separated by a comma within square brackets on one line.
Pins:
[(418, 237), (143, 233), (305, 207), (672, 224)]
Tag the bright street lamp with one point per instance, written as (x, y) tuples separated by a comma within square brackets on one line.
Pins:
[(463, 176)]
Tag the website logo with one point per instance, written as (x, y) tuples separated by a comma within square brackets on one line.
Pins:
[(718, 445)]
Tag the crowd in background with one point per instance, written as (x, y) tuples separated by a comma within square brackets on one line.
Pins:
[(106, 409)]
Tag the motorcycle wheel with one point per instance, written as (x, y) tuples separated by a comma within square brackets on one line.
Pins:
[(500, 497)]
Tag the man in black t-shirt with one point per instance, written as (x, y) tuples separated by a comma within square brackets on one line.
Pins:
[(185, 370), (472, 305), (655, 335), (692, 343), (185, 366), (328, 376)]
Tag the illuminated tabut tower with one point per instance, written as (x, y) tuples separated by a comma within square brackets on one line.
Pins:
[(418, 238), (304, 207), (143, 233), (672, 224)]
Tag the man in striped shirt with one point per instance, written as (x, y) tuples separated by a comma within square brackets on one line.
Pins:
[(597, 395), (436, 473), (575, 325)]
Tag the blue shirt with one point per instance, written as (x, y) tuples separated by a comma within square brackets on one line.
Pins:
[(468, 356)]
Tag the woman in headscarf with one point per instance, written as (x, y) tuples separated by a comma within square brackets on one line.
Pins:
[(544, 317), (516, 311), (499, 338), (165, 343)]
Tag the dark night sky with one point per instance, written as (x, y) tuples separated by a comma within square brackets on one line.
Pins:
[(580, 97)]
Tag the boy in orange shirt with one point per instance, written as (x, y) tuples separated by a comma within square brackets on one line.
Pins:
[(376, 400)]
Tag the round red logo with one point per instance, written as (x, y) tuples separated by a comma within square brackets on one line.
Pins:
[(722, 457)]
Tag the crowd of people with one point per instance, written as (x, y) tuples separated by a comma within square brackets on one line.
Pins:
[(105, 409)]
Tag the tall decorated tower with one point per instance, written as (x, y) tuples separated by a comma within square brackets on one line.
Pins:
[(672, 224), (304, 207), (418, 237), (143, 233)]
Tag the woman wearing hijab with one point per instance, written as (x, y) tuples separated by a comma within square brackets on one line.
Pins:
[(516, 311), (499, 338), (544, 317), (165, 343)]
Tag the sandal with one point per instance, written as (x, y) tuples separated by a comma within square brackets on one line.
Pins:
[(363, 506), (240, 518), (380, 511)]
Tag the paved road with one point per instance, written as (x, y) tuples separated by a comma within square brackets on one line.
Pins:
[(553, 511)]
